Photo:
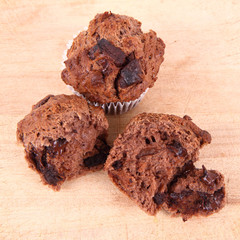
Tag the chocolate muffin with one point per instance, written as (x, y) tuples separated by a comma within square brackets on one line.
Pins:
[(113, 61), (64, 137), (151, 157)]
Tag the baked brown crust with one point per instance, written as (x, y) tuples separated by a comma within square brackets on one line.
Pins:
[(64, 137), (113, 60)]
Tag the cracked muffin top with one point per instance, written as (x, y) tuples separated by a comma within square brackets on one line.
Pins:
[(113, 61)]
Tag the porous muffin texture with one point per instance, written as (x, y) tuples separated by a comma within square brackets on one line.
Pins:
[(113, 61), (151, 154), (64, 137)]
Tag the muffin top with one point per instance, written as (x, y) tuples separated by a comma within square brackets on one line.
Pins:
[(113, 61)]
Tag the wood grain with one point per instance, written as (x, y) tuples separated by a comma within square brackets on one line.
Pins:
[(199, 77)]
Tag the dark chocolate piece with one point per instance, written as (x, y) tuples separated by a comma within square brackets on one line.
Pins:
[(177, 149), (95, 160), (117, 165), (189, 202), (58, 147), (174, 197), (93, 52), (99, 158), (39, 159), (33, 156), (187, 168), (210, 178), (159, 198), (130, 74), (107, 48), (51, 175), (117, 55)]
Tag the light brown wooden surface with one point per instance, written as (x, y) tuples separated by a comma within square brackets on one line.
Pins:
[(199, 77)]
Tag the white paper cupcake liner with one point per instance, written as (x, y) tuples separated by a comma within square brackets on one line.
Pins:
[(114, 108)]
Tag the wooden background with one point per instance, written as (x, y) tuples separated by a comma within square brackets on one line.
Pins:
[(199, 77)]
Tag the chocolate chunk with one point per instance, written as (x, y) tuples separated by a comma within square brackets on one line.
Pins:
[(95, 160), (117, 165), (218, 197), (42, 102), (33, 155), (97, 79), (93, 52), (39, 159), (51, 175), (107, 48), (130, 74), (105, 148), (210, 202), (181, 195), (187, 168), (210, 178), (159, 198), (58, 147), (147, 151), (44, 158), (117, 55), (177, 149), (182, 173)]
